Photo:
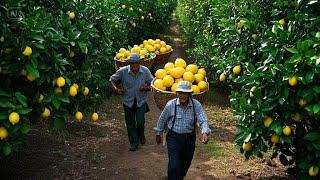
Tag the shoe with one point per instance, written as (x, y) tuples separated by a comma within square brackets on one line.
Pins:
[(143, 140)]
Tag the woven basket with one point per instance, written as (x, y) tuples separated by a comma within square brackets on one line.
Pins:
[(144, 62), (162, 97), (162, 59)]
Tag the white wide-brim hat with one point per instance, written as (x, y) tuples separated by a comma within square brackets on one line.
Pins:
[(184, 86)]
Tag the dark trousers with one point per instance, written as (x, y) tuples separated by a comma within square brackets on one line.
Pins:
[(134, 117), (180, 151)]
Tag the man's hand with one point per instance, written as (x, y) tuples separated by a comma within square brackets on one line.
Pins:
[(145, 88), (119, 91), (158, 139), (205, 138)]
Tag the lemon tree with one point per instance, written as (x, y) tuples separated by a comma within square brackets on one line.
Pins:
[(268, 54)]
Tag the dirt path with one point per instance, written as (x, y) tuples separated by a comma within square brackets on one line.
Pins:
[(100, 150)]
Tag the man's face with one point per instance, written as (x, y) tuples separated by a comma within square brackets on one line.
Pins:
[(183, 96), (134, 66)]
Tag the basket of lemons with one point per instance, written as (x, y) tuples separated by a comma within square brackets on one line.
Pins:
[(161, 48), (147, 57), (166, 80)]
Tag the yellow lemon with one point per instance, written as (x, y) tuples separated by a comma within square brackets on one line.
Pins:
[(195, 89), (179, 62), (27, 51), (78, 116), (174, 87), (254, 36), (168, 66), (72, 15), (119, 55), (282, 22), (73, 91), (95, 117), (275, 139), (151, 42), (60, 81), (313, 170), (57, 90), (203, 85), (297, 117), (150, 48), (286, 130), (76, 85), (188, 76), (293, 81), (30, 77), (158, 83), (267, 121), (236, 69), (122, 50), (240, 24), (192, 68), (158, 41), (247, 146), (14, 118), (135, 49), (157, 46), (41, 97), (163, 44), (177, 72), (169, 48), (222, 77), (178, 80), (85, 91), (3, 133), (163, 50), (143, 52), (302, 102), (160, 73), (123, 6), (126, 54), (168, 81), (23, 72), (198, 77), (71, 54), (202, 71), (2, 39), (45, 113)]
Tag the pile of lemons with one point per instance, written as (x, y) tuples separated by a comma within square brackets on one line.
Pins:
[(167, 79), (145, 49)]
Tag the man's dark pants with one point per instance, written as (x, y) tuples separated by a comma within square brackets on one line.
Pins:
[(180, 151), (134, 117)]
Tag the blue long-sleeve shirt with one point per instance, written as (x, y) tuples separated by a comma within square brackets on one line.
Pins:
[(184, 122), (131, 84)]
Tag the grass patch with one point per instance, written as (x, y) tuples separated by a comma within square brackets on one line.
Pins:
[(215, 149)]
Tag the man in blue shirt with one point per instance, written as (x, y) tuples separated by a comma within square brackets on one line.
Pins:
[(135, 81), (181, 116)]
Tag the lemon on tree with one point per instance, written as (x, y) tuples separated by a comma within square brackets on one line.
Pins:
[(297, 117), (95, 117), (85, 91), (237, 69), (160, 73), (267, 121), (286, 130), (72, 15), (247, 146), (76, 85), (3, 133), (282, 22), (275, 139), (30, 77), (222, 77), (40, 99), (57, 90), (302, 102), (27, 51), (293, 81), (179, 62), (60, 81), (73, 91), (78, 116), (313, 171), (14, 118), (45, 113)]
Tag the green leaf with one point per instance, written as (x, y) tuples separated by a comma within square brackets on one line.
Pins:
[(33, 71), (316, 108), (247, 137), (25, 128), (292, 50), (6, 104), (7, 150), (4, 116), (56, 103), (83, 47), (313, 136), (317, 89), (309, 76), (276, 126), (24, 110), (59, 123), (63, 98), (21, 98), (3, 93)]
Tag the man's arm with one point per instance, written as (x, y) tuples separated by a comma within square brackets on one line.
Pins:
[(203, 122), (163, 119), (116, 77), (149, 78)]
